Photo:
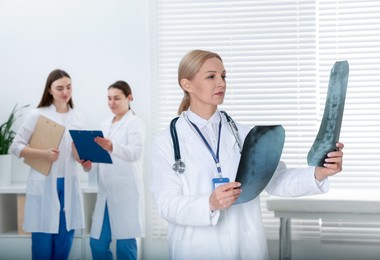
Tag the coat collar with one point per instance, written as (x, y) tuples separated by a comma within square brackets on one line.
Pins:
[(201, 122), (51, 112), (228, 142), (118, 124)]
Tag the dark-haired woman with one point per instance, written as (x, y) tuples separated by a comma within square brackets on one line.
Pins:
[(53, 207), (119, 209)]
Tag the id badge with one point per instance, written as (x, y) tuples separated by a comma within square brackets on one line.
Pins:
[(216, 182)]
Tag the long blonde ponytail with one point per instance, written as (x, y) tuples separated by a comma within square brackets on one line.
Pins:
[(185, 103)]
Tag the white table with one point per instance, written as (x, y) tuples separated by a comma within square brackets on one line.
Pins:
[(336, 204)]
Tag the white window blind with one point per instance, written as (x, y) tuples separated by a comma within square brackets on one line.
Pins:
[(350, 30), (278, 56)]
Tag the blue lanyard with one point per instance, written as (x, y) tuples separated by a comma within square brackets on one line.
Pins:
[(214, 156)]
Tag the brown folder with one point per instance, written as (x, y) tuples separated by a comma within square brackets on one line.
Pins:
[(47, 134)]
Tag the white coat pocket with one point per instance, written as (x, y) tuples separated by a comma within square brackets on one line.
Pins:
[(36, 183)]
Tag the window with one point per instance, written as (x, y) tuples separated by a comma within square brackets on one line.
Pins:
[(278, 56)]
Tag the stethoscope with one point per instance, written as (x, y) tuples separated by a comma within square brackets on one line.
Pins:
[(179, 166)]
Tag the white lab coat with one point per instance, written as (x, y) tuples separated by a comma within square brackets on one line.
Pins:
[(121, 183), (183, 200), (42, 204)]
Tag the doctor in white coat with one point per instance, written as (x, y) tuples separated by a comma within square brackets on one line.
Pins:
[(119, 209), (203, 223), (53, 207)]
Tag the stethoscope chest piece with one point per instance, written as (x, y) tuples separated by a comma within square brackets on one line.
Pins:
[(179, 166)]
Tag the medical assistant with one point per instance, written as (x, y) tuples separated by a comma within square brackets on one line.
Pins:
[(121, 183), (183, 199), (42, 204)]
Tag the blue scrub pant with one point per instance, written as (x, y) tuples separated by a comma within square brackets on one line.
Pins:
[(48, 246), (100, 248)]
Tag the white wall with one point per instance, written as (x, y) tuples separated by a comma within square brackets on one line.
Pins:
[(97, 42)]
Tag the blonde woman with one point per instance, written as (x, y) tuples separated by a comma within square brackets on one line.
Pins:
[(203, 222)]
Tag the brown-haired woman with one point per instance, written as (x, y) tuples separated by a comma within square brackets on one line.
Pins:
[(53, 207)]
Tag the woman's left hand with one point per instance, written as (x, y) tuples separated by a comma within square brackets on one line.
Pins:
[(105, 143), (332, 165)]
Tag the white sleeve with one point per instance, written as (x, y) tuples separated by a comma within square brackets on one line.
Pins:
[(23, 136), (295, 182), (131, 148)]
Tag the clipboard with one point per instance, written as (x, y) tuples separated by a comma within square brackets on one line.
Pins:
[(47, 134), (87, 148)]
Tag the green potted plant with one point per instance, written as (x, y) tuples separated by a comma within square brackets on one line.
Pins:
[(6, 137)]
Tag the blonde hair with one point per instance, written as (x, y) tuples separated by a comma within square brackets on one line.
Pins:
[(188, 68)]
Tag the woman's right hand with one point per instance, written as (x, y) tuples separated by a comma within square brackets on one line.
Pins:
[(51, 154), (224, 196), (87, 165)]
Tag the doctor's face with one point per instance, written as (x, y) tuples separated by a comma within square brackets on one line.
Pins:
[(118, 102), (208, 86), (61, 91)]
